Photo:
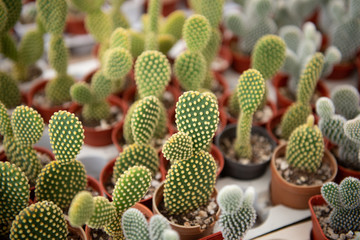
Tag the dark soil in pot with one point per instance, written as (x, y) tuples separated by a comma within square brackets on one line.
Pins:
[(99, 234)]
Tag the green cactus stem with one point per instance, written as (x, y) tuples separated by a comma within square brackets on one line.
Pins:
[(12, 98), (196, 32), (53, 15)]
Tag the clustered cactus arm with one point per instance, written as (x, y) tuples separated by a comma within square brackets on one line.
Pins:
[(237, 213), (344, 199), (346, 100)]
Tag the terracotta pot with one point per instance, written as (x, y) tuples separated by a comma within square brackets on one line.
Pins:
[(281, 80), (231, 119), (93, 136), (75, 25), (168, 6), (142, 208), (94, 184), (291, 195), (106, 175), (78, 231), (214, 236), (240, 62), (186, 233), (316, 232), (214, 151), (235, 169), (45, 113), (225, 59), (341, 71)]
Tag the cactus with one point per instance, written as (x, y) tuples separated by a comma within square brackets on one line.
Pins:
[(250, 91), (212, 10), (196, 32), (81, 208), (157, 225), (301, 44), (34, 221), (15, 193), (257, 13), (178, 147), (152, 73), (119, 19), (299, 110), (344, 200), (12, 98), (137, 43), (237, 213), (13, 10), (165, 42), (305, 148), (346, 101), (174, 24), (52, 15)]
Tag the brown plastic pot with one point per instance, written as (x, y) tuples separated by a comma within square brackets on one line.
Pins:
[(281, 80), (143, 209), (93, 136), (45, 113), (291, 195), (185, 233), (341, 71), (214, 236), (316, 232), (106, 175), (235, 169)]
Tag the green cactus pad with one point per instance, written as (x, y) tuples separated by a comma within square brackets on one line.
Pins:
[(66, 135), (331, 194), (350, 192), (34, 222), (157, 225), (15, 192), (137, 43), (161, 127), (31, 47), (27, 160), (130, 187), (154, 12), (268, 55), (196, 32), (152, 73), (165, 42), (8, 47), (178, 147), (99, 25), (53, 15), (3, 16), (57, 91), (190, 183), (96, 111), (128, 136), (250, 90), (13, 8), (12, 98), (213, 11), (114, 228), (81, 93), (230, 198), (27, 125), (5, 126), (190, 69), (88, 5), (56, 182), (81, 208), (346, 100), (305, 148), (103, 214), (151, 42), (144, 119), (295, 115), (119, 19), (117, 63), (101, 86), (352, 129), (136, 155), (197, 115), (120, 37), (134, 225), (212, 47), (174, 24), (58, 55)]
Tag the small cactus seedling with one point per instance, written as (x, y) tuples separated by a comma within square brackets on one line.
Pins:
[(344, 200), (34, 222), (305, 148), (237, 212)]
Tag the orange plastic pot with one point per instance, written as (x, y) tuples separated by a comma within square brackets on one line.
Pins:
[(316, 233)]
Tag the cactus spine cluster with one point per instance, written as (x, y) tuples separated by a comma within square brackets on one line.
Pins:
[(345, 203), (250, 92), (298, 112), (305, 148), (136, 227), (21, 132), (197, 117), (56, 180), (98, 212), (237, 212)]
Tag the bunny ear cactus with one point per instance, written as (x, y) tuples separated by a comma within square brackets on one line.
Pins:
[(12, 98), (134, 225), (298, 111), (346, 100), (15, 193), (344, 199), (250, 91), (13, 11), (137, 43), (117, 63), (174, 24), (178, 147), (196, 32), (53, 15), (152, 73), (305, 148), (238, 215)]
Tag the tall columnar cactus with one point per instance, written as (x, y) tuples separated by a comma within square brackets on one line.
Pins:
[(301, 44), (305, 148), (250, 91), (251, 24), (190, 66), (332, 127), (56, 180), (135, 227), (344, 200), (15, 193), (34, 222), (237, 213), (346, 100), (298, 112)]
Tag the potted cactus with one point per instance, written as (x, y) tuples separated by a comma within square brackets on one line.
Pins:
[(301, 44), (197, 117), (237, 213), (247, 161), (248, 26), (306, 165), (340, 209), (337, 129), (99, 213)]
